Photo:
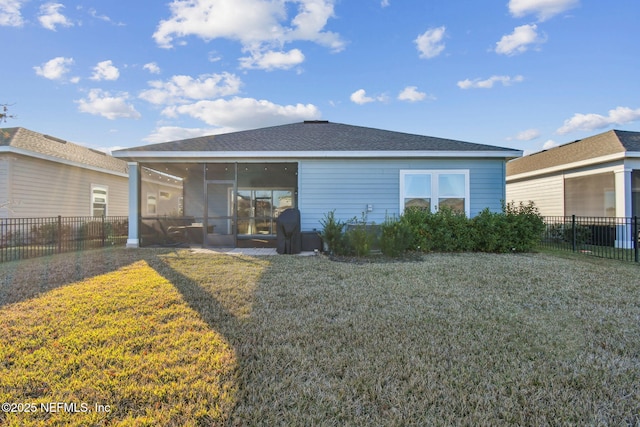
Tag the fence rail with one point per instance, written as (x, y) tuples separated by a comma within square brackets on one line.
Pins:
[(22, 238), (614, 238)]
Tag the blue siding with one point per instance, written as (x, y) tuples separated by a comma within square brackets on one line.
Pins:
[(348, 186)]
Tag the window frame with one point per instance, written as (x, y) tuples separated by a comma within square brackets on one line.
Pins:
[(100, 187), (435, 194), (152, 196)]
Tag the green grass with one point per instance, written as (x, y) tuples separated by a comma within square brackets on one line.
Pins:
[(173, 338)]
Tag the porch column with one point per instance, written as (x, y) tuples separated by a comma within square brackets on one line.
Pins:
[(624, 238), (133, 240)]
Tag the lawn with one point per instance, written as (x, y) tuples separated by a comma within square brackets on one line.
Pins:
[(162, 337)]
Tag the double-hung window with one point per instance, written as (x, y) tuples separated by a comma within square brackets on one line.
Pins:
[(435, 189), (99, 199)]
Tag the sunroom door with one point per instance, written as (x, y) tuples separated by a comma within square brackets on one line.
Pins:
[(220, 221)]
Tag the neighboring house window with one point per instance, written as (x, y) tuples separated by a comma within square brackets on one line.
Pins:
[(152, 204), (99, 200), (590, 195), (434, 189)]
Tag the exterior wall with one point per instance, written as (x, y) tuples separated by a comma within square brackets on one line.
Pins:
[(40, 188), (348, 186), (4, 186), (546, 192), (168, 205)]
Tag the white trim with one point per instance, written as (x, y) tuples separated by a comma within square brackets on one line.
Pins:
[(435, 173), (200, 156), (106, 201), (54, 159)]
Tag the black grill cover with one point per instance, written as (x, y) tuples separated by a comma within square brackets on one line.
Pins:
[(289, 238)]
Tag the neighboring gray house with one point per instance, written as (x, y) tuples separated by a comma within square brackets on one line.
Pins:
[(236, 184), (598, 176), (45, 176)]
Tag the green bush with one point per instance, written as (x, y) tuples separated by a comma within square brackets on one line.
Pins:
[(489, 231), (518, 228), (396, 237), (333, 233), (525, 225)]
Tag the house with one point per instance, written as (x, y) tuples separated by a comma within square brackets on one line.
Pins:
[(236, 184), (45, 176), (598, 176)]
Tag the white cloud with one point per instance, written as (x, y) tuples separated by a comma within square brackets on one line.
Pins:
[(519, 41), (260, 26), (430, 42), (272, 60), (411, 94), (550, 143), (488, 83), (544, 9), (104, 18), (588, 122), (10, 15), (102, 103), (105, 70), (181, 89), (526, 135), (151, 67), (360, 97), (50, 16), (244, 113), (384, 3), (54, 69)]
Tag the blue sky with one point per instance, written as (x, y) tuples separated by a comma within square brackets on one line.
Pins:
[(527, 74)]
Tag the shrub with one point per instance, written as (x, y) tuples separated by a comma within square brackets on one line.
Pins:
[(489, 232), (359, 237), (396, 237), (333, 233), (525, 225), (518, 228), (417, 220)]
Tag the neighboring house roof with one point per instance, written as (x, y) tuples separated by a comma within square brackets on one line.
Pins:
[(311, 138), (29, 143), (613, 142)]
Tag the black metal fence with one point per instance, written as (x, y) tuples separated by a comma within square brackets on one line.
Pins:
[(614, 238), (22, 238)]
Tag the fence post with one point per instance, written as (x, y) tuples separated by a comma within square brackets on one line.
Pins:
[(636, 238), (573, 233), (102, 231), (59, 233)]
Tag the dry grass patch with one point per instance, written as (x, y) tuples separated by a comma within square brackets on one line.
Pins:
[(456, 339)]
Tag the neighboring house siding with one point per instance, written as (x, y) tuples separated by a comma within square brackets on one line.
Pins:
[(547, 193), (42, 188), (4, 187), (348, 186)]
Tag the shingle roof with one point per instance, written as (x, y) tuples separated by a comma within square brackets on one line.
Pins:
[(35, 142), (611, 142), (316, 136)]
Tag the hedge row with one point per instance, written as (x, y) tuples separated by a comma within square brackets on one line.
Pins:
[(518, 228)]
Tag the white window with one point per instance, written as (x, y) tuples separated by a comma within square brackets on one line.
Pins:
[(433, 189), (99, 200), (152, 204)]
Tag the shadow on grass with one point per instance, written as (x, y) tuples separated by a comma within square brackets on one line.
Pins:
[(25, 279), (223, 294)]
